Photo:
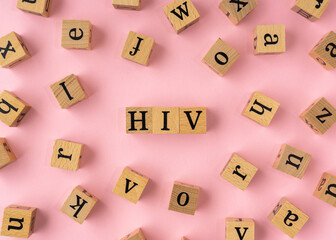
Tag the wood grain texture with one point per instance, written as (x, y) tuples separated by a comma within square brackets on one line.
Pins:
[(135, 235), (127, 4), (39, 7), (237, 11), (7, 156), (141, 121), (76, 34), (326, 189), (193, 120), (239, 228), (168, 115), (269, 39), (310, 9)]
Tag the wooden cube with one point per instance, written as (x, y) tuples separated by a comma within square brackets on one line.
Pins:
[(193, 120), (269, 39), (288, 218), (12, 109), (184, 238), (319, 116), (166, 120), (310, 9), (240, 228), (135, 235), (324, 51), (326, 189), (184, 198), (6, 154), (79, 204), (138, 48), (127, 4), (181, 14), (237, 10), (68, 91), (13, 50), (139, 120), (39, 7), (76, 34), (239, 172), (18, 221), (130, 185), (261, 109), (220, 57)]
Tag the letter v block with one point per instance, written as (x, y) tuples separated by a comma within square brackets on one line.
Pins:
[(39, 7), (240, 228), (310, 9), (193, 120), (76, 34), (18, 221), (269, 39), (6, 154), (326, 189), (237, 10), (135, 235)]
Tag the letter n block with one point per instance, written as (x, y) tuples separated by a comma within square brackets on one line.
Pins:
[(166, 120), (240, 228), (310, 9), (139, 120), (6, 154), (18, 221), (269, 39), (126, 4), (135, 235), (76, 34), (39, 7), (193, 120), (288, 218), (237, 10), (326, 189), (79, 204)]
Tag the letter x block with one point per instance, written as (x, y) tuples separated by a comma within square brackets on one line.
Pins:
[(76, 34), (240, 228), (310, 9), (135, 235), (269, 39), (18, 221), (6, 154), (237, 10), (288, 218), (126, 4), (326, 189), (39, 7)]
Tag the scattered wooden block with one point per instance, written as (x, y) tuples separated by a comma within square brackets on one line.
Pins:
[(79, 204), (139, 120), (18, 221), (288, 218), (135, 235), (269, 39), (184, 198), (184, 238), (261, 109), (127, 4), (319, 116), (13, 50), (220, 57), (240, 228), (39, 7), (193, 120), (68, 91), (6, 154), (237, 10), (310, 9), (326, 189), (166, 120), (181, 14), (76, 34)]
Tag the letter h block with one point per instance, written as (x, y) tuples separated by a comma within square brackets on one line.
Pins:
[(269, 39), (6, 154), (237, 10), (240, 228), (135, 235), (39, 7), (310, 9), (76, 34), (326, 189)]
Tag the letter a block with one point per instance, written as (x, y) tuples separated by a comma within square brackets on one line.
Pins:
[(269, 39), (184, 198), (166, 120), (237, 10), (18, 221), (39, 7), (126, 4), (310, 9), (220, 57), (240, 228), (76, 34), (139, 120), (6, 154), (135, 235), (326, 189), (79, 204), (193, 120)]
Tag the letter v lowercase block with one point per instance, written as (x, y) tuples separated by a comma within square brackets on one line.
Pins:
[(76, 34), (240, 228), (139, 120), (310, 9), (237, 10), (135, 235), (39, 7), (193, 120), (166, 120), (6, 154), (269, 39), (326, 189), (127, 4)]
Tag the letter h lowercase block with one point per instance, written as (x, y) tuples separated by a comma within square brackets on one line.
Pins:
[(6, 154), (269, 39), (76, 34), (240, 228), (135, 235), (237, 10), (326, 189)]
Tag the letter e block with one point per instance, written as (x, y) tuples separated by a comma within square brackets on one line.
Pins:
[(126, 4), (76, 34), (39, 7), (193, 120), (269, 39), (135, 235), (139, 120), (310, 9), (240, 228), (326, 189), (237, 10), (6, 154), (166, 120)]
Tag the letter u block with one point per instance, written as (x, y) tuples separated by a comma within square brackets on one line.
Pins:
[(135, 235), (310, 9), (237, 10), (326, 189), (6, 154), (126, 4), (269, 39), (39, 7), (76, 34), (240, 228)]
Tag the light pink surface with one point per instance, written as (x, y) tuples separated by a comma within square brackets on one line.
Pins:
[(175, 77)]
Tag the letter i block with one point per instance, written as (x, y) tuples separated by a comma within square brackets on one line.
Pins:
[(79, 204), (184, 198), (269, 39), (39, 7), (126, 4), (326, 189), (220, 57), (18, 221), (135, 235), (288, 218), (240, 228), (139, 120), (237, 10), (310, 9), (166, 120), (6, 154), (76, 34), (193, 120)]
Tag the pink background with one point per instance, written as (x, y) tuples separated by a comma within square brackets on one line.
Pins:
[(175, 77)]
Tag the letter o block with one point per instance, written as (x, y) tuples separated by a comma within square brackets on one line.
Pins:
[(237, 10), (76, 34), (239, 228), (6, 154), (310, 9), (269, 39), (326, 189), (39, 7), (135, 235)]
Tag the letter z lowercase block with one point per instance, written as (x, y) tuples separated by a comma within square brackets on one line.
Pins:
[(240, 228), (135, 235), (6, 154), (310, 9), (139, 120), (76, 34), (237, 10), (193, 120), (269, 39), (326, 189), (126, 4)]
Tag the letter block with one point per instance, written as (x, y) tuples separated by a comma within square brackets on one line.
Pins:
[(220, 57), (269, 39), (184, 198), (79, 204), (181, 14), (239, 172), (13, 50), (237, 10), (6, 154), (130, 185), (320, 116), (288, 218), (126, 4), (76, 34), (39, 7), (68, 91), (139, 120), (193, 120), (135, 235), (18, 221), (326, 189), (324, 51), (240, 228), (310, 9), (184, 238), (166, 120)]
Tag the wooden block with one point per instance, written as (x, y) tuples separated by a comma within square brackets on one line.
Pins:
[(239, 172), (138, 48), (79, 204), (130, 185), (184, 198), (13, 50), (310, 9), (18, 221), (135, 235), (38, 7), (326, 189), (127, 4), (181, 14), (139, 120), (261, 109), (220, 57), (237, 10), (320, 116), (166, 120), (193, 120), (324, 51), (269, 39), (76, 34), (288, 218), (240, 228), (12, 109), (6, 154), (68, 91), (184, 238)]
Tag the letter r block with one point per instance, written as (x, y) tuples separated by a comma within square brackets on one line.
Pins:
[(76, 34), (126, 4), (6, 154), (139, 120), (269, 39), (193, 120), (240, 228), (39, 7), (310, 9), (135, 235), (326, 189), (237, 10)]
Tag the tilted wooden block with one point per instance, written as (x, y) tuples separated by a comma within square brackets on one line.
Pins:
[(6, 154), (39, 7), (76, 34), (166, 120), (310, 9), (184, 198), (237, 10), (326, 189), (288, 218), (320, 116), (181, 14), (269, 39), (220, 57), (18, 221), (240, 228), (193, 120), (127, 4), (79, 204), (135, 235), (184, 238), (139, 120)]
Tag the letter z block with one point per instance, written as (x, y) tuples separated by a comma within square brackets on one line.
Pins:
[(237, 10), (6, 154), (240, 228), (139, 120), (193, 120), (269, 39), (126, 4), (135, 235), (39, 7), (310, 9), (326, 189), (76, 34)]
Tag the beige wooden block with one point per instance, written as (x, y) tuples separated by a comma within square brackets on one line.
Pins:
[(261, 109), (237, 10), (288, 218), (220, 57), (319, 116), (127, 4), (181, 14), (310, 9), (6, 154), (269, 39), (135, 235), (18, 221), (13, 50), (138, 48), (184, 198), (324, 51), (184, 238), (240, 228), (166, 120), (326, 189), (68, 91), (38, 7), (79, 204), (139, 120), (76, 34), (193, 120)]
